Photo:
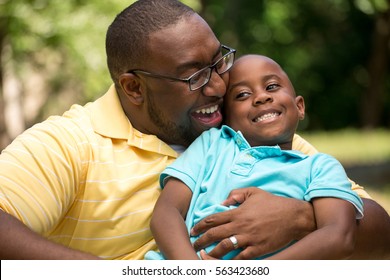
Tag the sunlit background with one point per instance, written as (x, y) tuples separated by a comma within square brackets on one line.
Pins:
[(336, 53)]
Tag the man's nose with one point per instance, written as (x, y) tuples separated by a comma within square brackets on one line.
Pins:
[(217, 85)]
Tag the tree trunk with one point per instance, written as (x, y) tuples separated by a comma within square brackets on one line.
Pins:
[(4, 139), (373, 98)]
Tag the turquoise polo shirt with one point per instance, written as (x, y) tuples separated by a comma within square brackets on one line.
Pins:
[(221, 160)]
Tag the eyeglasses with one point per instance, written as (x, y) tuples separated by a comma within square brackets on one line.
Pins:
[(201, 77)]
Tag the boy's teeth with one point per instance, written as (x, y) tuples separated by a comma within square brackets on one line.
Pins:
[(266, 117), (209, 110)]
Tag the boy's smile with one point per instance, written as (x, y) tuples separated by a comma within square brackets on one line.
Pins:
[(261, 102)]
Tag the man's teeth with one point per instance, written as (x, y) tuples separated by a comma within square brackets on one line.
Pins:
[(266, 117), (208, 110)]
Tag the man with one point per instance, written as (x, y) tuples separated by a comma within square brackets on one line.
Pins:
[(83, 186)]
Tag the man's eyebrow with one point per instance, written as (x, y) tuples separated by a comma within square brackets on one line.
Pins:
[(197, 64), (219, 50)]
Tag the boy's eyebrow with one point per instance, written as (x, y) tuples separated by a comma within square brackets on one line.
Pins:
[(231, 86), (263, 79), (270, 76)]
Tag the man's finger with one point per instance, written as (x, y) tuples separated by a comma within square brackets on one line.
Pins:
[(205, 256), (213, 235), (249, 253), (211, 222), (225, 246), (235, 197)]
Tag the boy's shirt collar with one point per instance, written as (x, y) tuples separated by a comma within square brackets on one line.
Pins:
[(242, 143)]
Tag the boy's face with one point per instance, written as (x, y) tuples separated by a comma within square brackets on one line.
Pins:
[(261, 102)]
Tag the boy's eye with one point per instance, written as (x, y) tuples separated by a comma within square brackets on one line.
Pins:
[(242, 94), (272, 87)]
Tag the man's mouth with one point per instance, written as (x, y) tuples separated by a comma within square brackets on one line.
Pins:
[(209, 116), (209, 110), (266, 116)]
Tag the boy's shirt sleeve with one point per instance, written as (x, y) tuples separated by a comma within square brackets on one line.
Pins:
[(329, 180), (300, 144), (189, 164)]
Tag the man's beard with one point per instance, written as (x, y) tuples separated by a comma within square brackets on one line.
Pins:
[(173, 133)]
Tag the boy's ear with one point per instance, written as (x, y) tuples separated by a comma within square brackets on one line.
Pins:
[(131, 87), (300, 102)]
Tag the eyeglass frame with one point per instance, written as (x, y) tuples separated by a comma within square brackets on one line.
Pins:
[(187, 80)]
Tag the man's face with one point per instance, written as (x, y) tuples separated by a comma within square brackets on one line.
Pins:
[(175, 114), (261, 102)]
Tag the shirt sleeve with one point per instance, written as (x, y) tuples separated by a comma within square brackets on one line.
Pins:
[(188, 167), (305, 147), (39, 173), (328, 179)]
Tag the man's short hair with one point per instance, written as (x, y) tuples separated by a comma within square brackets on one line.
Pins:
[(127, 36)]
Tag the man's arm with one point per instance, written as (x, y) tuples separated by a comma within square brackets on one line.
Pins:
[(373, 236), (264, 223), (19, 242)]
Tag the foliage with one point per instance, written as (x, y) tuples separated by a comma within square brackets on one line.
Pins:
[(325, 47), (62, 41)]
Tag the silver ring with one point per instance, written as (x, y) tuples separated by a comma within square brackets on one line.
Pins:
[(233, 239)]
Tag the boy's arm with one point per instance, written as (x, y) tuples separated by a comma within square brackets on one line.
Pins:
[(373, 237), (335, 235), (167, 224)]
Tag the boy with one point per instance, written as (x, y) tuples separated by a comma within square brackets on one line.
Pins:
[(254, 149)]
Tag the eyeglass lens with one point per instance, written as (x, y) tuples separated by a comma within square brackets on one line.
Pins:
[(201, 78)]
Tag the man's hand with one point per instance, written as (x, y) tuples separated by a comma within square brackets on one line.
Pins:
[(204, 256), (263, 223)]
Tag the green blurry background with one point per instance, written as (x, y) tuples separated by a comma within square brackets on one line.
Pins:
[(336, 53)]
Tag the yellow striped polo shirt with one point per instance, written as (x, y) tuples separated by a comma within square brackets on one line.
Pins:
[(88, 179)]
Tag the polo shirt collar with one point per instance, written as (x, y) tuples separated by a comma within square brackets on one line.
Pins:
[(109, 120), (260, 151)]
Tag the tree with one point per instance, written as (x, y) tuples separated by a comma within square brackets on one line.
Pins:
[(325, 48), (52, 55), (378, 63), (335, 52)]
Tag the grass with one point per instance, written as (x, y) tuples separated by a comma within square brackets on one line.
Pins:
[(354, 147), (381, 196), (351, 146)]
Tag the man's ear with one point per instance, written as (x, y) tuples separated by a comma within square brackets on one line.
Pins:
[(300, 102), (131, 87)]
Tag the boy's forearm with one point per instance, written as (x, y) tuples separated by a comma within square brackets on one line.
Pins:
[(171, 235), (305, 222), (335, 236), (373, 234)]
